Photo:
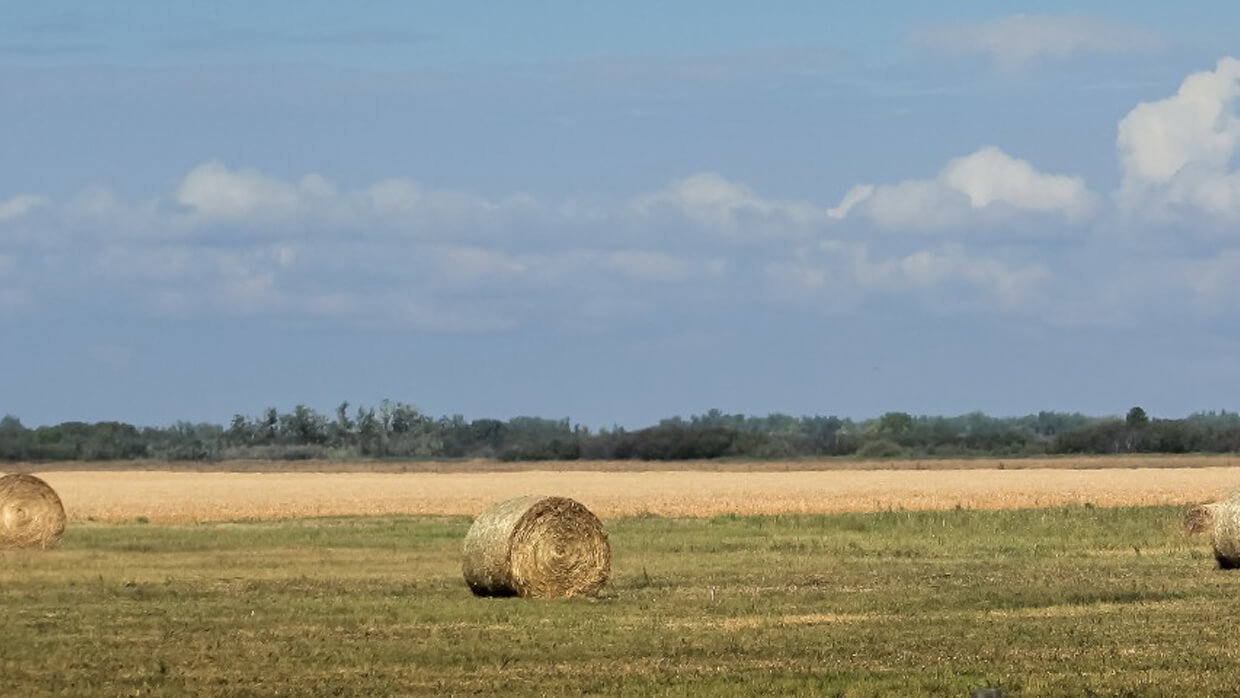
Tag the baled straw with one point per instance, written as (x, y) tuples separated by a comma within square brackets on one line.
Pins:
[(1199, 519), (31, 515), (537, 546), (1225, 533)]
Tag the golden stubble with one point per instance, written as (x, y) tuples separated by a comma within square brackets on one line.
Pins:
[(186, 496)]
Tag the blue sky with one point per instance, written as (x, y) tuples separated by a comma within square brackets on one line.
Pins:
[(617, 213)]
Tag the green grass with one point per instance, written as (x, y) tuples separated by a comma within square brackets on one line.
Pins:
[(1078, 601)]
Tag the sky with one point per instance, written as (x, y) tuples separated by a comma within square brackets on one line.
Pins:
[(618, 212)]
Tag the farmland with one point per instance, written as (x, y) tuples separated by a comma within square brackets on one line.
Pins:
[(828, 582), (615, 489), (1058, 601)]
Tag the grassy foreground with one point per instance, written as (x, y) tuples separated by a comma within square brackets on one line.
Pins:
[(1076, 601)]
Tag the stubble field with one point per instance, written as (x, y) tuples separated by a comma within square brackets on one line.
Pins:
[(866, 582), (180, 496)]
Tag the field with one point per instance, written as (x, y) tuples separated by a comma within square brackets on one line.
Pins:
[(182, 496), (1062, 601), (162, 587)]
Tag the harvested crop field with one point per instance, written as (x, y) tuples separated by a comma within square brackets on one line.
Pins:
[(176, 497)]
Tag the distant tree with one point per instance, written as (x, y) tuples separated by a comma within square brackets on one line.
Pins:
[(240, 431), (410, 432), (895, 424), (370, 433), (342, 428), (14, 439), (1137, 418), (303, 427), (269, 427)]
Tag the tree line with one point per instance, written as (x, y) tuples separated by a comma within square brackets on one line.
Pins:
[(397, 430)]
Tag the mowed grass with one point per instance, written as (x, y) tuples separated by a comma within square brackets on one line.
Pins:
[(1068, 601)]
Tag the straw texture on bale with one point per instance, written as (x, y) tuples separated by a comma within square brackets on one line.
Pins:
[(1199, 519), (537, 546), (31, 515), (1225, 532)]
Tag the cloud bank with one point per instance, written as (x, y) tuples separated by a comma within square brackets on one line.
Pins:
[(1018, 41), (238, 240), (987, 185)]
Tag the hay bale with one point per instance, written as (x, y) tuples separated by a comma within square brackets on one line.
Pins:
[(1225, 532), (31, 515), (1199, 519), (537, 546)]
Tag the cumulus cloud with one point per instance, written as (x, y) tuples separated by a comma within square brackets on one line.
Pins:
[(986, 185), (730, 208), (20, 205), (1016, 41), (848, 270), (1174, 153), (1011, 286), (215, 193)]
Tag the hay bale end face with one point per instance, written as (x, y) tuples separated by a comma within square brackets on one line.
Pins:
[(536, 546), (31, 514)]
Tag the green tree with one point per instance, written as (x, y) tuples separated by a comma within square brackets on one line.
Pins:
[(895, 424), (342, 428)]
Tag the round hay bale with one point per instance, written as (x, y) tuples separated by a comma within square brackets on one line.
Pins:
[(537, 546), (1225, 533), (31, 515), (1199, 519)]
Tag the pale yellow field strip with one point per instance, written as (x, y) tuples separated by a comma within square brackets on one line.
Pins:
[(209, 496)]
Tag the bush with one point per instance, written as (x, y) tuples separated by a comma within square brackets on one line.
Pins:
[(882, 448)]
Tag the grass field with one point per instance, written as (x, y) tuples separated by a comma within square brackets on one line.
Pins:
[(1077, 600)]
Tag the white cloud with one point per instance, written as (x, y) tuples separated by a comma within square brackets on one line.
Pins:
[(842, 272), (216, 192), (20, 205), (463, 266), (459, 265), (97, 212), (1019, 40), (987, 185), (213, 193), (1010, 286), (724, 206), (184, 277), (1174, 153), (854, 196)]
